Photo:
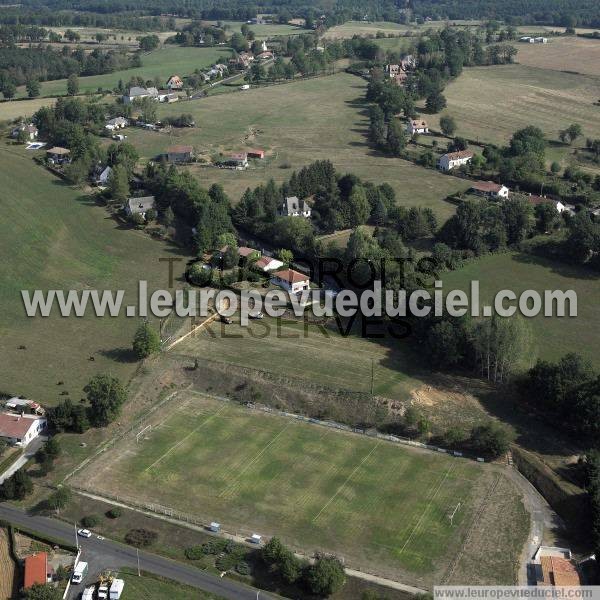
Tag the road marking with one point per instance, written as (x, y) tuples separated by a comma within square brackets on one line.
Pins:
[(215, 414), (360, 464)]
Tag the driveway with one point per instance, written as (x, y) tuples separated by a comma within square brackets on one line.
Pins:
[(30, 452)]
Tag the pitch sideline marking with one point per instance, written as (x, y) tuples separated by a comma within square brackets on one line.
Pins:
[(360, 464), (215, 414)]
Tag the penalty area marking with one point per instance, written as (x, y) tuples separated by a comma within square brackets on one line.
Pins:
[(215, 414)]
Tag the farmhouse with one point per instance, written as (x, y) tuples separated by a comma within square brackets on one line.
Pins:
[(451, 160), (417, 126), (58, 155), (527, 40), (541, 40), (266, 55), (293, 207), (139, 93), (31, 131), (290, 280), (268, 263), (489, 189), (180, 154), (408, 63), (238, 160), (392, 70), (400, 78), (20, 429), (36, 570), (139, 206), (174, 83)]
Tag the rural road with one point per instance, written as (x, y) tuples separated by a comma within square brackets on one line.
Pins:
[(106, 554)]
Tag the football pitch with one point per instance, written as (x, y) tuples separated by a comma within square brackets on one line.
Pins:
[(379, 505)]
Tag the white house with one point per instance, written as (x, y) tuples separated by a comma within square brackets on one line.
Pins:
[(21, 429), (290, 280), (20, 405), (489, 189), (175, 83), (541, 40), (527, 40), (417, 126), (451, 160), (558, 205), (293, 207)]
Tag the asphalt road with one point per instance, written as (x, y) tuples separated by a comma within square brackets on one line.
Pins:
[(106, 554)]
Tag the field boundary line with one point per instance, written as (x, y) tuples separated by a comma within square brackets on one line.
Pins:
[(358, 466), (254, 459), (182, 440), (437, 489)]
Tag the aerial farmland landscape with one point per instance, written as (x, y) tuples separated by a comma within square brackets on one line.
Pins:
[(300, 299)]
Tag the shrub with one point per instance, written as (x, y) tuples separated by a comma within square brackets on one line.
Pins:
[(194, 552), (141, 538), (114, 513), (243, 568), (90, 521)]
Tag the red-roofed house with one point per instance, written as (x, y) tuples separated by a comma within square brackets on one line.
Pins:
[(490, 189), (290, 280), (558, 205), (417, 126), (20, 429), (179, 154), (36, 569), (245, 252)]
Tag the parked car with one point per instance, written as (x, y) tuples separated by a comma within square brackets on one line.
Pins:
[(86, 533), (226, 320), (256, 315)]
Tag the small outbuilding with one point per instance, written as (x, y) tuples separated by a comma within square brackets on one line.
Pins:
[(180, 154)]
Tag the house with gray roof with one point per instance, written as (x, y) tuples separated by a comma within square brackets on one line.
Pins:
[(293, 207), (139, 206)]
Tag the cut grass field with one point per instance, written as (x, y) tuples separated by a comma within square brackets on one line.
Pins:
[(296, 123), (23, 108), (160, 63), (551, 337), (264, 32), (491, 103), (574, 54), (378, 505), (53, 238)]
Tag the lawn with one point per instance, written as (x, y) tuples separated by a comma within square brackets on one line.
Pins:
[(379, 505), (264, 32), (149, 587), (160, 63), (574, 54), (296, 123), (491, 103), (551, 337), (52, 237)]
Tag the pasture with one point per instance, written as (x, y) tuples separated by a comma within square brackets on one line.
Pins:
[(23, 108), (324, 356), (378, 505), (296, 123), (517, 96), (574, 54), (266, 31), (155, 588), (160, 63), (551, 337), (52, 237)]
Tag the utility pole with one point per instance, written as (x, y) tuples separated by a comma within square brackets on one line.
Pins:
[(76, 537), (137, 550), (372, 375)]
